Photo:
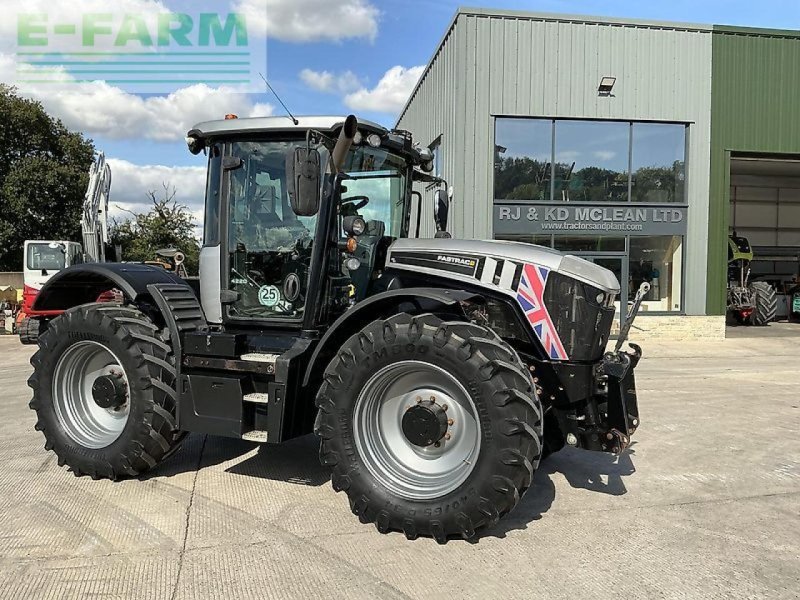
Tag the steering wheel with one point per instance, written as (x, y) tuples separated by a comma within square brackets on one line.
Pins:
[(354, 203)]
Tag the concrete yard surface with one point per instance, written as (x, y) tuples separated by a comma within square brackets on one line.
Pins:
[(706, 504)]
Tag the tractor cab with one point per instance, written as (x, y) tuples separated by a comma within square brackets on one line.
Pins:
[(275, 199)]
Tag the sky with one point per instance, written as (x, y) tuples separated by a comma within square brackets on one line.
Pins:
[(322, 57)]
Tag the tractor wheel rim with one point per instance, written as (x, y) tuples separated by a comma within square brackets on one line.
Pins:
[(83, 420), (405, 468)]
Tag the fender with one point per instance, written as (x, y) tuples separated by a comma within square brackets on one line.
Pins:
[(82, 284), (418, 300)]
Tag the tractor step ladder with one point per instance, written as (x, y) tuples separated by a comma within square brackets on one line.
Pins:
[(257, 398), (260, 358), (255, 436)]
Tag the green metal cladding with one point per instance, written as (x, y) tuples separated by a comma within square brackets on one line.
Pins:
[(755, 108)]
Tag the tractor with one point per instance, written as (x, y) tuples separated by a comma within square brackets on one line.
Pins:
[(749, 302), (436, 373)]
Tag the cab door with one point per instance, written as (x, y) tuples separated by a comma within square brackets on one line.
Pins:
[(267, 257)]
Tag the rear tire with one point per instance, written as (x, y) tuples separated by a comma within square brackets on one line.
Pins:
[(29, 331), (122, 345), (766, 303), (393, 490)]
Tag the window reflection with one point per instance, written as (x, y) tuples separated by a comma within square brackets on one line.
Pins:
[(658, 159), (589, 243), (523, 151), (539, 240), (592, 161)]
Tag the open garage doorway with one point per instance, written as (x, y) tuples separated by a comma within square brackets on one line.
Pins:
[(765, 209)]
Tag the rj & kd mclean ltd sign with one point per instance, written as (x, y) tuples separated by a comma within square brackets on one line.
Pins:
[(571, 218)]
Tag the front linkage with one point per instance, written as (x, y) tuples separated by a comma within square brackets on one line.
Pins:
[(595, 406)]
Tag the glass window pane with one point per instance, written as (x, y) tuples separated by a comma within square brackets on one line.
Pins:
[(589, 243), (592, 161), (539, 240), (659, 162), (657, 260), (267, 240), (523, 151), (211, 222)]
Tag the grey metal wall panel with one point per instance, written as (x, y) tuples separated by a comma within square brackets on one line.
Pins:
[(516, 64)]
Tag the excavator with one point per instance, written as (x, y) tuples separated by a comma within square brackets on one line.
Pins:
[(45, 258)]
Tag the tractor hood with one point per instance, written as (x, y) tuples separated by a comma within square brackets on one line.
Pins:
[(493, 263)]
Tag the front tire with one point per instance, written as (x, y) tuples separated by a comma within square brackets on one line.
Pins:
[(104, 391), (766, 303), (432, 428)]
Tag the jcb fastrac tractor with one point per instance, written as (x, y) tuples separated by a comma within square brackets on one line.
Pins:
[(749, 302), (436, 372)]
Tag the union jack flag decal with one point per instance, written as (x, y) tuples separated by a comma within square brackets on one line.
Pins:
[(530, 295)]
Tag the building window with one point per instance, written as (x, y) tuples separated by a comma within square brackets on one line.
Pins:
[(658, 163), (589, 243), (658, 260), (522, 158), (436, 149), (589, 161), (539, 240)]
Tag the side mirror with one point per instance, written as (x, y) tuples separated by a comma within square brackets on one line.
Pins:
[(303, 180), (441, 208)]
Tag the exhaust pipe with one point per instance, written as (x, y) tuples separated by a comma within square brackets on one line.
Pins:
[(343, 143)]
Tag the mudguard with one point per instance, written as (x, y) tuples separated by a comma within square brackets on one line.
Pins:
[(81, 284), (418, 300)]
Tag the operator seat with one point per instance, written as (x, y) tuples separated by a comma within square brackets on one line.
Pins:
[(366, 252)]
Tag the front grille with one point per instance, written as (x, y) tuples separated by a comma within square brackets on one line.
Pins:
[(582, 315)]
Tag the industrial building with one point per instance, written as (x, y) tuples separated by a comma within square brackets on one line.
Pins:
[(638, 145)]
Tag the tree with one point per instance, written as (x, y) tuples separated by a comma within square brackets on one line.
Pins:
[(166, 225), (44, 171)]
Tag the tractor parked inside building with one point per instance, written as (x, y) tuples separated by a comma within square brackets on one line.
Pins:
[(436, 372), (749, 302)]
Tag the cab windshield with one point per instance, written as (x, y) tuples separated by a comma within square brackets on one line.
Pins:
[(42, 256), (269, 246)]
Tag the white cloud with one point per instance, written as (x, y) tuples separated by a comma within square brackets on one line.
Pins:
[(325, 81), (311, 20), (568, 156), (605, 155), (391, 93), (98, 108), (130, 184)]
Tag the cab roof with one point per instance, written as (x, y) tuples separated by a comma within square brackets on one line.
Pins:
[(282, 124)]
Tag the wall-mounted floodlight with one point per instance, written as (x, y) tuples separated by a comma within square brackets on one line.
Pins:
[(606, 85)]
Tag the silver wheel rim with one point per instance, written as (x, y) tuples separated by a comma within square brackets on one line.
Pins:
[(88, 424), (410, 471)]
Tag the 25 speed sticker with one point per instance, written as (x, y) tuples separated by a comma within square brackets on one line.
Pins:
[(269, 295)]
